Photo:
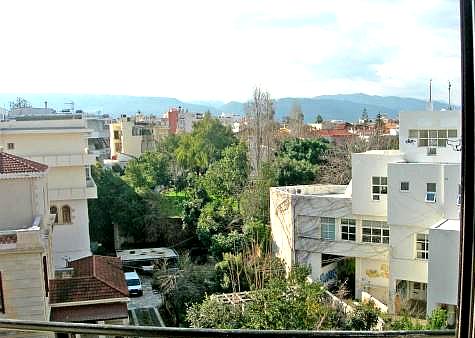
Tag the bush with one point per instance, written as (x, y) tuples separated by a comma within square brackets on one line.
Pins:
[(437, 319), (365, 317)]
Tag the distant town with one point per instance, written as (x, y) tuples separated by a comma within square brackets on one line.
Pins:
[(225, 220)]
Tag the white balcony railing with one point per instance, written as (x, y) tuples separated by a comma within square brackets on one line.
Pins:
[(89, 191), (64, 160)]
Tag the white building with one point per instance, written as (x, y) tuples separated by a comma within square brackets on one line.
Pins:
[(59, 141), (382, 219)]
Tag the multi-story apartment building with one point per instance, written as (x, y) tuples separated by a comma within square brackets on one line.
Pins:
[(132, 136), (59, 141), (382, 219), (25, 240), (98, 142)]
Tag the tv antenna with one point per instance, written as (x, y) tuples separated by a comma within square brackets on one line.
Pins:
[(450, 106)]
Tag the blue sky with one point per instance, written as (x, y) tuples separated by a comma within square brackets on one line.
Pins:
[(221, 50)]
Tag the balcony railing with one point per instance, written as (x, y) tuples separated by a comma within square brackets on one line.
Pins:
[(152, 331), (89, 191), (64, 160)]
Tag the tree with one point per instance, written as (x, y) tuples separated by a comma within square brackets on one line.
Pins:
[(294, 172), (228, 176), (204, 145), (364, 116), (188, 285), (319, 119), (150, 170), (116, 203), (254, 200), (311, 150), (296, 120), (291, 304), (260, 129)]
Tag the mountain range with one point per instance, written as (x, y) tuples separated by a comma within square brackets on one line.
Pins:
[(346, 107)]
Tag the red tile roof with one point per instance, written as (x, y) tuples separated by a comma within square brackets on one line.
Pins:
[(334, 133), (11, 164), (94, 278), (93, 312), (8, 239)]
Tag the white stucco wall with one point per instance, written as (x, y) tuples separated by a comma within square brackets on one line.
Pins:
[(410, 208), (428, 120), (16, 194), (443, 267), (72, 240), (364, 167)]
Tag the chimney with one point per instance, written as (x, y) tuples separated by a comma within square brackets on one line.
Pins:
[(46, 104)]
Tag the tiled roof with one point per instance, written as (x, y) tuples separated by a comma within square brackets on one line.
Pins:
[(94, 312), (334, 133), (8, 239), (94, 278), (11, 164)]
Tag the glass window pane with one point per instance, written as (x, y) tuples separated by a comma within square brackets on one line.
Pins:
[(386, 232), (423, 133), (442, 142), (423, 142), (376, 189), (384, 190), (433, 133), (384, 181), (375, 197), (376, 232), (413, 133), (376, 240), (386, 240), (442, 133), (376, 179), (366, 231), (431, 187), (452, 133)]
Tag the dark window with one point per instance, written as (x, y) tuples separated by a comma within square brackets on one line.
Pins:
[(116, 135), (66, 210), (11, 146), (404, 186), (348, 229), (2, 302), (45, 275), (54, 211)]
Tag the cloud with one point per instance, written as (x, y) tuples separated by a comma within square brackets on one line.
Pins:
[(214, 49)]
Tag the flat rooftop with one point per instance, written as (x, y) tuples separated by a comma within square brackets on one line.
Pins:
[(146, 254), (321, 190)]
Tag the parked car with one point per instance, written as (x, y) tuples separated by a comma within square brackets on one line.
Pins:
[(133, 283)]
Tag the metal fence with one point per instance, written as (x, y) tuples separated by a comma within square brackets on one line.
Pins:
[(151, 331)]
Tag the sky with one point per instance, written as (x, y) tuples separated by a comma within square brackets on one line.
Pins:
[(221, 50)]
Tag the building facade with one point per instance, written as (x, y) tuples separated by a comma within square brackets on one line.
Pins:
[(59, 141), (26, 262), (383, 218)]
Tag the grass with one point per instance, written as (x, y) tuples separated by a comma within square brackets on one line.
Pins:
[(171, 203)]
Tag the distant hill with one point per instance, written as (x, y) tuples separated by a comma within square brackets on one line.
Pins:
[(341, 107)]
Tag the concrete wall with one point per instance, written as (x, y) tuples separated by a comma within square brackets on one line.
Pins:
[(429, 120), (16, 203), (452, 179), (72, 240), (364, 167), (443, 268), (282, 228), (44, 143), (410, 208)]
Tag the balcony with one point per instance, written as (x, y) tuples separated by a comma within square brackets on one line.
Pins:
[(151, 331), (89, 191), (65, 160)]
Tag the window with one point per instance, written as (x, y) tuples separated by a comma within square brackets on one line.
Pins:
[(405, 186), (2, 302), (459, 195), (54, 211), (118, 147), (422, 246), (328, 228), (379, 187), (375, 232), (431, 191), (11, 146), (116, 135), (66, 211), (432, 137), (45, 275), (348, 229)]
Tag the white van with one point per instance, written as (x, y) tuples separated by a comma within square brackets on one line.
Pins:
[(133, 283)]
